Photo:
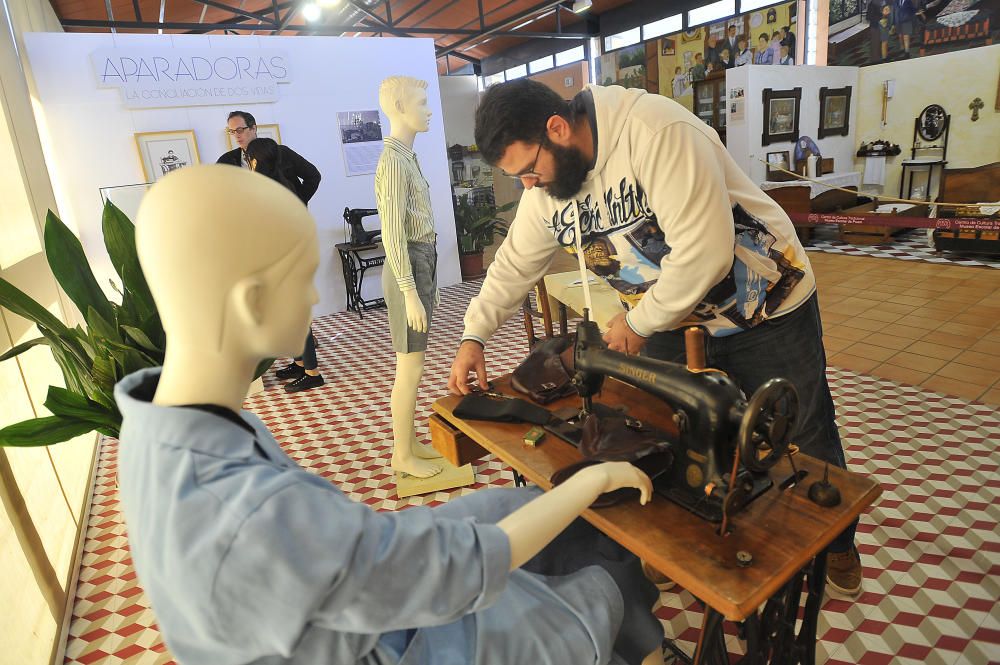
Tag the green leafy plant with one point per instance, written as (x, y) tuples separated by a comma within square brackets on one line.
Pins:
[(119, 338), (478, 226)]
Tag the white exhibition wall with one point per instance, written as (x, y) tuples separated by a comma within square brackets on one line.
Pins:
[(744, 137), (89, 143), (459, 96)]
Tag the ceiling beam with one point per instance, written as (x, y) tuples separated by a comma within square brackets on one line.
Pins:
[(372, 15), (237, 11), (138, 12), (497, 27), (237, 24)]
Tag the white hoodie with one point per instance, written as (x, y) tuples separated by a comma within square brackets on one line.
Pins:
[(668, 219)]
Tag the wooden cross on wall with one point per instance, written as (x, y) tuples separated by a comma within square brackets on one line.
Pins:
[(976, 104)]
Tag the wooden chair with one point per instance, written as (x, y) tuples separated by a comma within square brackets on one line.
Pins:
[(541, 310)]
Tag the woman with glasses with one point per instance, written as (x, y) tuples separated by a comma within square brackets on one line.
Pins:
[(265, 157)]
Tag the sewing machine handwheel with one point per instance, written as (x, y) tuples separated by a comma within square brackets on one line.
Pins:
[(769, 420)]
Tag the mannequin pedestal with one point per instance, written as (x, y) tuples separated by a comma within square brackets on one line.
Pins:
[(450, 477)]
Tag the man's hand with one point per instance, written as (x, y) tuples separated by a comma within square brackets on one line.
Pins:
[(470, 358), (620, 337), (416, 315)]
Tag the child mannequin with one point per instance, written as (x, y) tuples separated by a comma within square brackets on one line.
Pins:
[(248, 558)]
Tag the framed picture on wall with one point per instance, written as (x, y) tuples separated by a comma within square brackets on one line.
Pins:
[(263, 132), (781, 115), (163, 152), (834, 111), (667, 46), (778, 160), (689, 36)]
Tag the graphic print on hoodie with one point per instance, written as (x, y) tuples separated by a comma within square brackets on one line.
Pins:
[(668, 219)]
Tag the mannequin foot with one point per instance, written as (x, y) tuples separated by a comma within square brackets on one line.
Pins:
[(415, 467), (423, 451)]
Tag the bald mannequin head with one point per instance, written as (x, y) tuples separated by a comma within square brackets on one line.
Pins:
[(229, 256)]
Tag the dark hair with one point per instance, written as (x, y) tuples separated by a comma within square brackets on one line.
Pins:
[(515, 111), (247, 118), (764, 36), (786, 28), (775, 34), (268, 156)]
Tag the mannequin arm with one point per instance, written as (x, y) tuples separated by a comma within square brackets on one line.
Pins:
[(416, 315), (534, 525)]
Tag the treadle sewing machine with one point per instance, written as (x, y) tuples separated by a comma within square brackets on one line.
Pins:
[(776, 548), (725, 444), (358, 235)]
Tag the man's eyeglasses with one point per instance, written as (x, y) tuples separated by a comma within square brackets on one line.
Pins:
[(530, 171), (238, 131)]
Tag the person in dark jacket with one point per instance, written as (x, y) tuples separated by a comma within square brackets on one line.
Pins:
[(266, 157), (300, 172), (904, 17)]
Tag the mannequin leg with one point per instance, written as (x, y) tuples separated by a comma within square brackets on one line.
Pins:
[(405, 455)]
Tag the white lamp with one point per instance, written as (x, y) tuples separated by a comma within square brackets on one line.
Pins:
[(311, 12), (581, 6)]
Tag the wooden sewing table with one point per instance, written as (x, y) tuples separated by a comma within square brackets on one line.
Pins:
[(785, 533)]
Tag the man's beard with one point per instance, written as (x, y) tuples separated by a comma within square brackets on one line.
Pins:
[(571, 169)]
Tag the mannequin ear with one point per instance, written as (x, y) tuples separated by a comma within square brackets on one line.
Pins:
[(247, 297), (399, 106)]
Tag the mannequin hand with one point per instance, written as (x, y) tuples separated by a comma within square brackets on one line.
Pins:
[(470, 358), (620, 337), (611, 476), (416, 315)]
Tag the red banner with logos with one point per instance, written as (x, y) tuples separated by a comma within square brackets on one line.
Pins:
[(943, 223)]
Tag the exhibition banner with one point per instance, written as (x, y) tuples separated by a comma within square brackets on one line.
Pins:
[(152, 78), (899, 221)]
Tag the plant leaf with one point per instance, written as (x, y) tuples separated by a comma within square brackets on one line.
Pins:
[(22, 347), (68, 404), (18, 302), (140, 338), (119, 238), (69, 264), (263, 367), (99, 327), (104, 372), (43, 431)]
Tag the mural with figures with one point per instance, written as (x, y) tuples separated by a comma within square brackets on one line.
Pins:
[(868, 32), (764, 37)]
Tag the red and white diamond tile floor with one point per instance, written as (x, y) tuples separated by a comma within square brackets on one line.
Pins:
[(930, 545)]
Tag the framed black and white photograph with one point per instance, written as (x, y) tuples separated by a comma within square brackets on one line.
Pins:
[(359, 126), (781, 115), (263, 132), (834, 111), (778, 160), (163, 152), (360, 139)]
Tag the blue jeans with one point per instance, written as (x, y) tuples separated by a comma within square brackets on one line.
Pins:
[(791, 347)]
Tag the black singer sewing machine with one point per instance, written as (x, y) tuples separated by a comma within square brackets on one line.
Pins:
[(725, 444), (359, 236)]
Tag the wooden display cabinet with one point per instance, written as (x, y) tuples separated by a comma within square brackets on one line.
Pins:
[(710, 102)]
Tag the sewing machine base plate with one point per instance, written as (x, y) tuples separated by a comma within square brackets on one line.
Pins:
[(704, 506)]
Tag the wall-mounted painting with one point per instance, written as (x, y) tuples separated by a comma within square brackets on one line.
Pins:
[(834, 111), (781, 115), (263, 132), (163, 152)]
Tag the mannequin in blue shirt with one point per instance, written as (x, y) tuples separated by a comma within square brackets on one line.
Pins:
[(248, 558)]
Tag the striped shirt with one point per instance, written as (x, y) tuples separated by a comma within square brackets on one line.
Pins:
[(403, 199)]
